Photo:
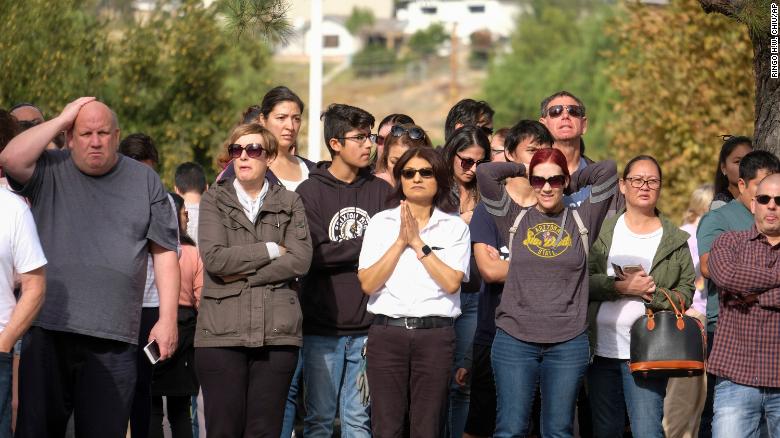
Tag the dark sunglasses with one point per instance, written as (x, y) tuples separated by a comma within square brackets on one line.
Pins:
[(468, 163), (253, 150), (425, 172), (380, 139), (555, 181), (764, 199), (557, 110), (414, 133)]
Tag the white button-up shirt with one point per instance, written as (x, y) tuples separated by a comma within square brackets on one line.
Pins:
[(410, 291)]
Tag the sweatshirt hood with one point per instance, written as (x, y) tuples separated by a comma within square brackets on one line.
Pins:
[(322, 174)]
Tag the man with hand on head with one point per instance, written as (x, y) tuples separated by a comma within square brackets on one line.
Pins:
[(98, 214)]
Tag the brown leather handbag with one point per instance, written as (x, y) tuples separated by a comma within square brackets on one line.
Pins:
[(667, 343)]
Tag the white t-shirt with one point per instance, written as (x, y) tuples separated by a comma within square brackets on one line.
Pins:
[(410, 290), (20, 249), (613, 334), (193, 214), (292, 185)]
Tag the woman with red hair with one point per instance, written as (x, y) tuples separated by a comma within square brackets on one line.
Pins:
[(541, 337)]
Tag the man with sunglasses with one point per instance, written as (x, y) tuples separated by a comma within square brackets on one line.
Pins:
[(469, 112), (746, 354), (29, 115), (734, 216), (99, 214), (340, 197)]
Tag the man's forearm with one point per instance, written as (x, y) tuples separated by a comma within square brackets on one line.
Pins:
[(22, 152), (30, 302)]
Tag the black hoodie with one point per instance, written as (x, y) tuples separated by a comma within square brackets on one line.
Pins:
[(338, 213)]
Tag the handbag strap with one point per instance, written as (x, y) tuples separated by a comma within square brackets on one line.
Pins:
[(513, 229)]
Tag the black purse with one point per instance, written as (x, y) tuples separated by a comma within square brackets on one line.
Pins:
[(667, 343)]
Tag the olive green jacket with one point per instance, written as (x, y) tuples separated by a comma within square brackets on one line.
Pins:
[(672, 271), (247, 298)]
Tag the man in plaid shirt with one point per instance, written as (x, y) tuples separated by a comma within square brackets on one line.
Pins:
[(746, 354)]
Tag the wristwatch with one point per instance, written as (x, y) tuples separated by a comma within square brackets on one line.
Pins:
[(426, 251)]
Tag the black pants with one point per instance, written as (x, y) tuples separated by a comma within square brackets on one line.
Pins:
[(409, 373), (62, 373), (178, 416), (481, 419), (245, 389), (142, 402)]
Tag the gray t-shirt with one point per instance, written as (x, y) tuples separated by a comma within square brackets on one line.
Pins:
[(95, 232)]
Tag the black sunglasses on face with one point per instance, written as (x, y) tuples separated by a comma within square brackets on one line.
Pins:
[(468, 163), (253, 150), (409, 173), (556, 111), (555, 181), (414, 133), (764, 199)]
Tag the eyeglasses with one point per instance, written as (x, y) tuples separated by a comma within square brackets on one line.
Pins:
[(360, 138), (556, 111), (495, 152), (555, 181), (253, 150), (638, 182), (468, 163), (764, 199), (414, 132), (409, 173)]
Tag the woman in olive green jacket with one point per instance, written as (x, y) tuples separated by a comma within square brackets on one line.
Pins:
[(254, 242), (654, 258)]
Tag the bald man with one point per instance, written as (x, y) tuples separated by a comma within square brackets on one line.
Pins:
[(746, 355), (99, 214)]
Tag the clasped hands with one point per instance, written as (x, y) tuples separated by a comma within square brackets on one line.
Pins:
[(409, 233), (636, 283)]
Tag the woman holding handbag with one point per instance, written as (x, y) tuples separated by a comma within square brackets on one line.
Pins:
[(640, 260)]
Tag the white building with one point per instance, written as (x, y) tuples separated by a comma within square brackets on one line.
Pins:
[(497, 16), (337, 42)]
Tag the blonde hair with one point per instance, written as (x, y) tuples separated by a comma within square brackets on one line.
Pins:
[(699, 203), (269, 141)]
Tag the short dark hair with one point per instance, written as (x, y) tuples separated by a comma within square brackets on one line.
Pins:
[(562, 93), (276, 96), (139, 147), (755, 161), (463, 138), (339, 119), (721, 180), (395, 119), (8, 128), (189, 177), (638, 158), (442, 199), (250, 114), (466, 112), (525, 129)]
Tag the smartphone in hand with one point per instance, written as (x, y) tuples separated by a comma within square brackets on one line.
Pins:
[(152, 351), (630, 269), (618, 272)]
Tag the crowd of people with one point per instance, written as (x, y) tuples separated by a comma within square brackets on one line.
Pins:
[(486, 287)]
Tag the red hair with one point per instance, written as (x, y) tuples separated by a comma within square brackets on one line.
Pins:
[(549, 155)]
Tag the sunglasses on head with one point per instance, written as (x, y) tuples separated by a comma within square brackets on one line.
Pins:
[(409, 173), (414, 133), (253, 150), (468, 163), (557, 110), (764, 199), (555, 181)]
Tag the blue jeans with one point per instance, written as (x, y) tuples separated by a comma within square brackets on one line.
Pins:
[(292, 400), (520, 366), (739, 408), (6, 379), (610, 383), (331, 365), (465, 326)]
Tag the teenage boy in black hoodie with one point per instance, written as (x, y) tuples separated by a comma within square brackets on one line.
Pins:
[(340, 197)]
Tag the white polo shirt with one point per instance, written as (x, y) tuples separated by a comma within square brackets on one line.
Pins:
[(20, 249), (410, 290)]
